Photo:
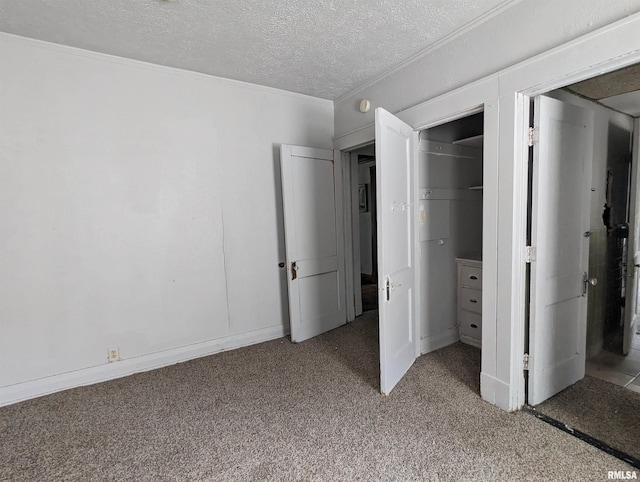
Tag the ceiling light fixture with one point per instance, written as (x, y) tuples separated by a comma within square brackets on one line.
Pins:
[(365, 105)]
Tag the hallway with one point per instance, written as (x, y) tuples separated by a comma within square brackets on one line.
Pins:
[(620, 370)]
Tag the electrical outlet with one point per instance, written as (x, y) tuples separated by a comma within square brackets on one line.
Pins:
[(113, 355)]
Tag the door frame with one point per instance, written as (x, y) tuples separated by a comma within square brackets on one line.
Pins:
[(352, 231), (440, 112), (505, 95), (522, 114), (610, 48), (351, 234)]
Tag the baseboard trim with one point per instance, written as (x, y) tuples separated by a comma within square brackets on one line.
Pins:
[(496, 392), (471, 341), (88, 376), (435, 342)]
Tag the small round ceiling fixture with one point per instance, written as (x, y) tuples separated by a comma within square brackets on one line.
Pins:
[(365, 105)]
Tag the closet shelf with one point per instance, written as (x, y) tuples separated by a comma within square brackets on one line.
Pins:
[(475, 141), (475, 188)]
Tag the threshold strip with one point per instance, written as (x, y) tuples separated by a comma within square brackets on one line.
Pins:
[(599, 444)]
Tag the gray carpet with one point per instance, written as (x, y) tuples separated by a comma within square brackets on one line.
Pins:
[(283, 411), (603, 410)]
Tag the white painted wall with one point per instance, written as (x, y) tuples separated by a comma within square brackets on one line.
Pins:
[(140, 208), (452, 227), (525, 29)]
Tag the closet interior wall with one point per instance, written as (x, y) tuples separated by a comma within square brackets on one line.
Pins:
[(450, 221)]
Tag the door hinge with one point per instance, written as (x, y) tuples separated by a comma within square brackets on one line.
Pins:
[(531, 137), (529, 254), (525, 362)]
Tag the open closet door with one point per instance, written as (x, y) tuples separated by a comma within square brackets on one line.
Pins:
[(395, 144), (632, 294), (560, 223), (312, 198)]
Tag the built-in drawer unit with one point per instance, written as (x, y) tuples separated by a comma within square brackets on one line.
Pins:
[(471, 277), (470, 299), (471, 326)]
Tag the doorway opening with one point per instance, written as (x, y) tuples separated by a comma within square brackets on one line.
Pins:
[(365, 192), (603, 400), (450, 194)]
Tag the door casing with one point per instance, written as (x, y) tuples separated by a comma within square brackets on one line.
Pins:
[(505, 96), (350, 207)]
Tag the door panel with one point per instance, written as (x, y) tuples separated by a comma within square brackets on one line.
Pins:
[(312, 193), (318, 295), (632, 295), (316, 221), (560, 217), (395, 144)]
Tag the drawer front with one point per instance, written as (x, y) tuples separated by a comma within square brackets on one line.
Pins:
[(471, 277), (470, 300), (470, 324)]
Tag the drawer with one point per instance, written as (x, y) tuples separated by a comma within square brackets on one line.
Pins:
[(470, 300), (471, 277), (470, 325)]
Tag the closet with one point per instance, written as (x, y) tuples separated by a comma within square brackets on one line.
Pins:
[(450, 227)]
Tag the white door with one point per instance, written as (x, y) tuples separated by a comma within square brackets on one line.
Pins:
[(395, 144), (312, 198), (632, 295), (560, 218)]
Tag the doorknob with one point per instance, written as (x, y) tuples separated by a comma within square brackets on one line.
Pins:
[(294, 270), (586, 281)]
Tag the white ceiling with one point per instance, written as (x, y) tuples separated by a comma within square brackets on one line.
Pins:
[(323, 48), (619, 89), (629, 103)]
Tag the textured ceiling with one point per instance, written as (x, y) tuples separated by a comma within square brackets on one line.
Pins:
[(619, 89), (323, 48), (607, 85)]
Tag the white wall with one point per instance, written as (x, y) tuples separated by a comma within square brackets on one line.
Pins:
[(450, 226), (518, 33), (141, 209)]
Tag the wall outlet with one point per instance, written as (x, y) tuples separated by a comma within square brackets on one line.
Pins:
[(113, 354)]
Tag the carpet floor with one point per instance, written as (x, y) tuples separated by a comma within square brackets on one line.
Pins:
[(284, 411), (601, 409)]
